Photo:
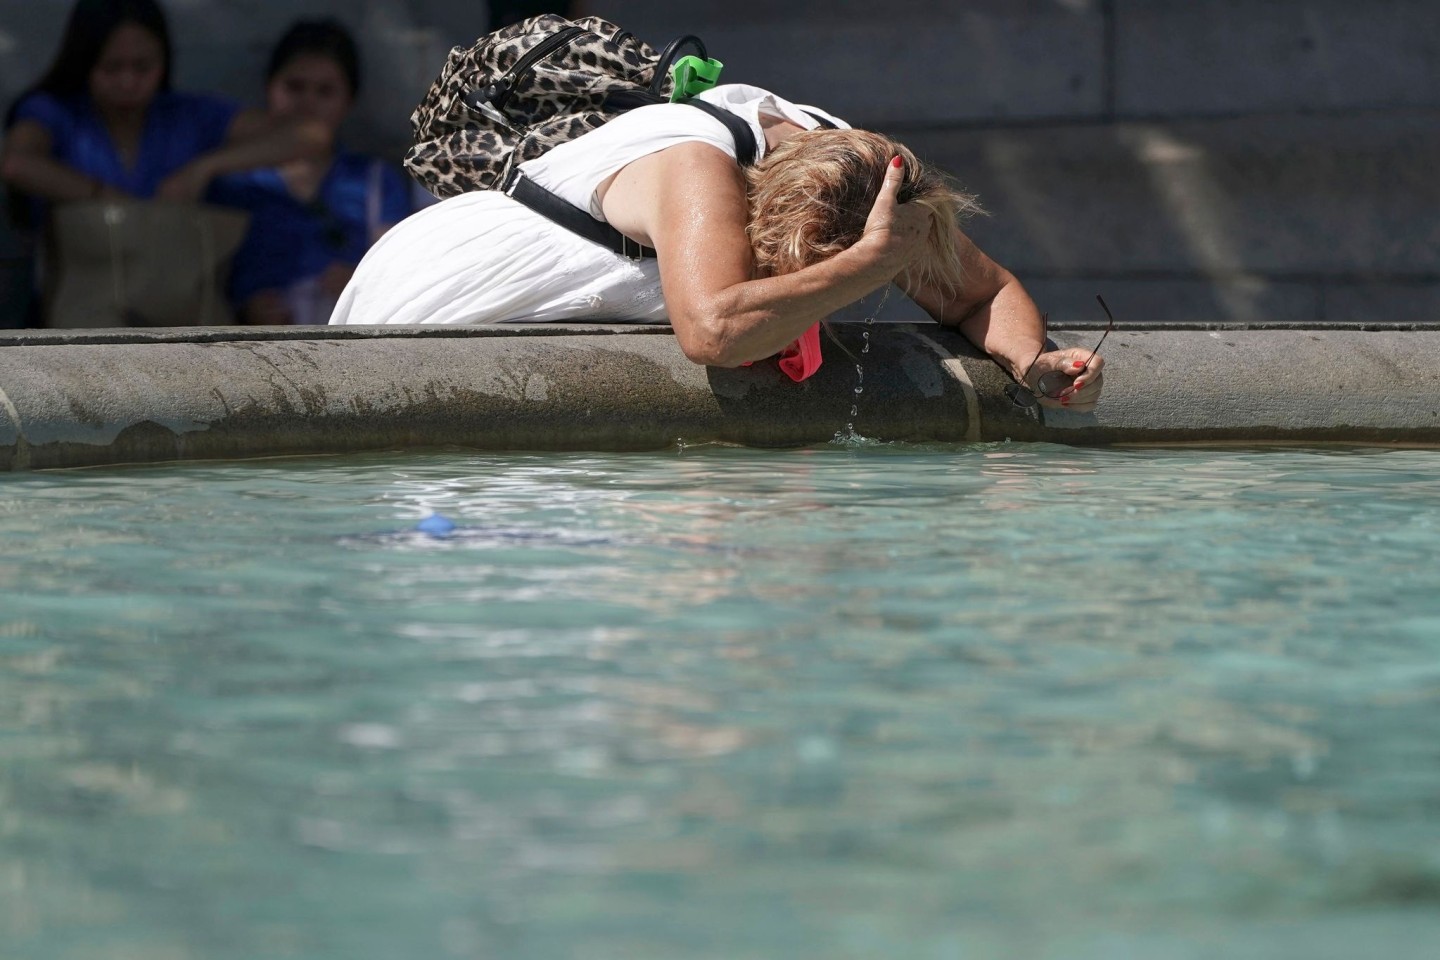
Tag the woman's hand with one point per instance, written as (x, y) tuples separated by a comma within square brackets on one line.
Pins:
[(1064, 380), (689, 201), (335, 278), (186, 185), (895, 231), (267, 308), (27, 163)]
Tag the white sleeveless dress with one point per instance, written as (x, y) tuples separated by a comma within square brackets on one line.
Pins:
[(484, 258)]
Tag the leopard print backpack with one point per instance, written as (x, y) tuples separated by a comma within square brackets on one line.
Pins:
[(525, 88)]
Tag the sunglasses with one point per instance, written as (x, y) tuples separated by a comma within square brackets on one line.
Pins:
[(1054, 383)]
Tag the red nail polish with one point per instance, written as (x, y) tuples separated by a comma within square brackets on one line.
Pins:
[(897, 162), (1079, 363)]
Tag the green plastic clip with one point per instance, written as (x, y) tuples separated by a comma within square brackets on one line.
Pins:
[(693, 75)]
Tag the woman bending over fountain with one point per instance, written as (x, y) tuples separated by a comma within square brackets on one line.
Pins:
[(746, 261)]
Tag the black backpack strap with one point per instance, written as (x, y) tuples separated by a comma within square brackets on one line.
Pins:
[(746, 152), (670, 54), (529, 193), (571, 217)]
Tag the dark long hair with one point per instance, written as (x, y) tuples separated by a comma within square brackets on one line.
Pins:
[(89, 28), (325, 38)]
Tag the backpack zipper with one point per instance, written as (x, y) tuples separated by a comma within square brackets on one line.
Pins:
[(498, 92)]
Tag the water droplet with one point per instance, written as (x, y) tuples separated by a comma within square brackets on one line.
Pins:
[(860, 367)]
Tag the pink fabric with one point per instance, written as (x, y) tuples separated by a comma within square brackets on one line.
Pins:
[(802, 358)]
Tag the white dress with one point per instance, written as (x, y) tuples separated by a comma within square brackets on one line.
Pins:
[(484, 258)]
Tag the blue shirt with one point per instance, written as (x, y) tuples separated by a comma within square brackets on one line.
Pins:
[(178, 128), (289, 241)]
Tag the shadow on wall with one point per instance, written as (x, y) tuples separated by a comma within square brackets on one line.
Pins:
[(1291, 218)]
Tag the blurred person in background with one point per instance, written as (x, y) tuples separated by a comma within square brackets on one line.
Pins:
[(103, 121), (311, 219)]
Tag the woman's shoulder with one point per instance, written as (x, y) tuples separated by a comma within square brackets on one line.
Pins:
[(576, 168), (660, 114), (50, 109), (653, 124)]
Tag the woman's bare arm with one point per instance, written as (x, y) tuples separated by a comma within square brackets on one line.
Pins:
[(992, 309), (254, 140), (28, 164), (995, 313), (689, 203)]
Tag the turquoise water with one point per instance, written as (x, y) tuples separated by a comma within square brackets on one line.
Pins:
[(1010, 701)]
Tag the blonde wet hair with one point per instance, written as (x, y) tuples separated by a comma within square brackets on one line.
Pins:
[(811, 195)]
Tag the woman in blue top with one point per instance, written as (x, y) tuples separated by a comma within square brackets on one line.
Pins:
[(311, 220), (103, 121)]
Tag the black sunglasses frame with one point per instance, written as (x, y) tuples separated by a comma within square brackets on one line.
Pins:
[(1054, 383)]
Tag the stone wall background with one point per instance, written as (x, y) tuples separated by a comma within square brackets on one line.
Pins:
[(1190, 159)]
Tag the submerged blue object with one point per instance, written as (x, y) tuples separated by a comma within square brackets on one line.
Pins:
[(436, 525)]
